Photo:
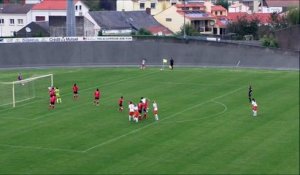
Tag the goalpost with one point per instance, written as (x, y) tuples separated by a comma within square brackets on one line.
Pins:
[(23, 90)]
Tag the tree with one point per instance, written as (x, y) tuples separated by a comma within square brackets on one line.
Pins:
[(277, 21), (96, 5), (189, 30), (293, 16), (143, 31), (223, 3), (244, 26)]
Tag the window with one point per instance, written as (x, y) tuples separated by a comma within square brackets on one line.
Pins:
[(1, 21), (76, 7), (142, 5), (173, 3), (80, 7), (168, 19), (153, 5), (40, 18), (20, 21), (12, 21), (221, 13)]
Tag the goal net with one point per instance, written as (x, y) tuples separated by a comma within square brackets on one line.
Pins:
[(12, 93)]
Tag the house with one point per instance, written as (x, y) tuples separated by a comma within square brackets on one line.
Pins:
[(34, 29), (156, 6), (14, 17), (58, 8), (252, 4), (238, 7), (205, 17), (126, 23), (278, 6), (264, 18), (46, 8)]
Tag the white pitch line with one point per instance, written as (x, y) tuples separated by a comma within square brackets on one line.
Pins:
[(171, 116), (41, 148)]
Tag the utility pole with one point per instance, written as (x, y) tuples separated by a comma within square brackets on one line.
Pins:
[(184, 32)]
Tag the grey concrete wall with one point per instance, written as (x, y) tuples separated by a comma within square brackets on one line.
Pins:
[(289, 38), (193, 53)]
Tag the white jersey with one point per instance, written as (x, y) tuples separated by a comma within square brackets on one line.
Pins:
[(254, 103), (143, 62), (131, 107), (155, 108), (143, 100)]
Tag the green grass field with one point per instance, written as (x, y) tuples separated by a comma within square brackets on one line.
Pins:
[(205, 127)]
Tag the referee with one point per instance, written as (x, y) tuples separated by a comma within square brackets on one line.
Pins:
[(250, 93)]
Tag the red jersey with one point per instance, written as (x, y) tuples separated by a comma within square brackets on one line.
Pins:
[(97, 94), (140, 106), (75, 88), (52, 92), (121, 101), (53, 99)]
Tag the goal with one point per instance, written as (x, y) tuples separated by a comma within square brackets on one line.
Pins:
[(15, 92)]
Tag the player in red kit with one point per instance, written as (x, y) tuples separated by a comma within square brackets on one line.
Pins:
[(145, 108), (121, 104), (97, 95), (75, 91), (52, 91), (52, 102), (140, 109)]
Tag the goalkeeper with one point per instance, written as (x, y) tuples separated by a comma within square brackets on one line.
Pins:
[(57, 94)]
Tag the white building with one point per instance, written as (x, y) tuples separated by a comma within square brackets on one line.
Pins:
[(237, 7), (32, 1), (42, 11), (14, 17)]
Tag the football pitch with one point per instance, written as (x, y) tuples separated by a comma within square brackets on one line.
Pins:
[(206, 124)]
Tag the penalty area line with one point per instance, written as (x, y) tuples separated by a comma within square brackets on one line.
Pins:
[(153, 123), (40, 148)]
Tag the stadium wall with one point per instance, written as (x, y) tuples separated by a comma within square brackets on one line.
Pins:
[(110, 53)]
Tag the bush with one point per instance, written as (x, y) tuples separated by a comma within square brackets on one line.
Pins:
[(269, 41)]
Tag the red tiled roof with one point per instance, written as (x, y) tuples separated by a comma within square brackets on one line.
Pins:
[(222, 22), (264, 18), (158, 29), (218, 8), (282, 3), (52, 5)]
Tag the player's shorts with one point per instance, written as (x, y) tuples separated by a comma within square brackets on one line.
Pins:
[(75, 92), (155, 112), (52, 103), (145, 110), (140, 111), (121, 105), (254, 108), (131, 113), (96, 98)]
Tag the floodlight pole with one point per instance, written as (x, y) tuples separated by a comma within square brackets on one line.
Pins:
[(71, 19), (184, 32)]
